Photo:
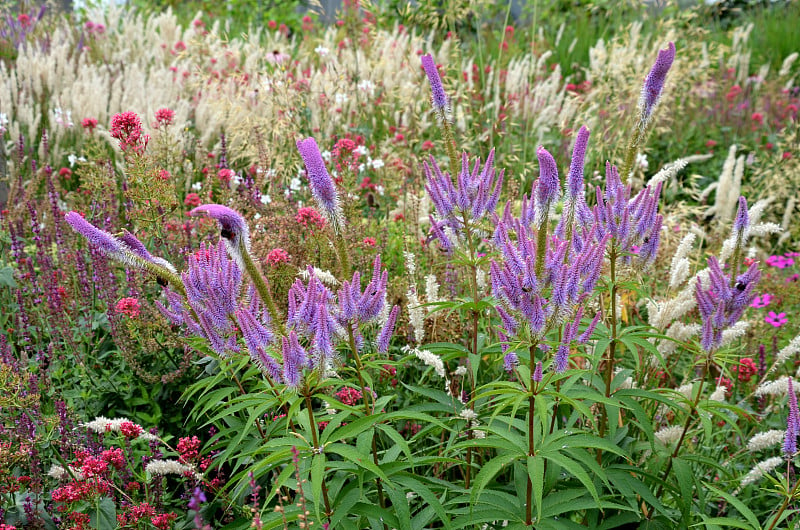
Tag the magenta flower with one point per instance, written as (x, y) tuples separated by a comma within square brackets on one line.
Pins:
[(776, 320), (762, 300), (779, 262)]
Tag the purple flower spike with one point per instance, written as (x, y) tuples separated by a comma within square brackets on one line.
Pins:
[(654, 82), (438, 97), (322, 186), (233, 228), (136, 246), (510, 361), (792, 424), (575, 176), (386, 332), (549, 188), (562, 358), (742, 220), (103, 241), (537, 373), (294, 358)]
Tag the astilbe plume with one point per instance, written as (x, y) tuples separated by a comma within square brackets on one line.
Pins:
[(471, 199)]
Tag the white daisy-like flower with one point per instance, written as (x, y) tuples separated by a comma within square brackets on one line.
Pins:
[(295, 184), (461, 371), (197, 186)]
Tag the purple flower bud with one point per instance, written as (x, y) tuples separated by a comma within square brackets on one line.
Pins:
[(587, 333), (562, 358), (322, 186), (537, 373), (549, 188), (438, 97), (386, 332), (654, 82)]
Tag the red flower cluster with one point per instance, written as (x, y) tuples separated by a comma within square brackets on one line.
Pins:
[(130, 430), (129, 306), (746, 369), (135, 513), (309, 217), (349, 396), (192, 200), (164, 116), (127, 128), (277, 256), (114, 456), (80, 490), (89, 124), (189, 449), (164, 521)]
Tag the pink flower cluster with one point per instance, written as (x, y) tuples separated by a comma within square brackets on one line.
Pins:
[(164, 117), (349, 396), (762, 300), (277, 256), (309, 217), (780, 262), (129, 307), (127, 128)]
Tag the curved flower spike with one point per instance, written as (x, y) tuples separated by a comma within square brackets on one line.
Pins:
[(654, 82), (322, 186), (233, 228)]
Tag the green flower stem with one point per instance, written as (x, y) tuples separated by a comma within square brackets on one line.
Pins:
[(785, 504), (160, 272), (637, 138), (612, 347), (367, 411), (315, 440), (450, 144), (261, 286), (531, 406)]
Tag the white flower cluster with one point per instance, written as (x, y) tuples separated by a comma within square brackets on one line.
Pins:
[(764, 440), (669, 435), (170, 467), (102, 425), (761, 469), (59, 473), (778, 387), (325, 277), (429, 358)]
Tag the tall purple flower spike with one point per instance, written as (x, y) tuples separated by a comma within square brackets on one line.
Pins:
[(654, 82), (792, 424), (100, 239), (138, 248), (294, 359), (474, 195), (548, 190), (721, 305), (233, 229), (322, 186), (388, 329), (438, 96)]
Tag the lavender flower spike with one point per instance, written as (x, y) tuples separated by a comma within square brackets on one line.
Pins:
[(792, 424), (103, 241), (387, 331), (438, 97), (128, 251), (654, 82), (322, 185), (233, 229), (575, 176), (549, 189)]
